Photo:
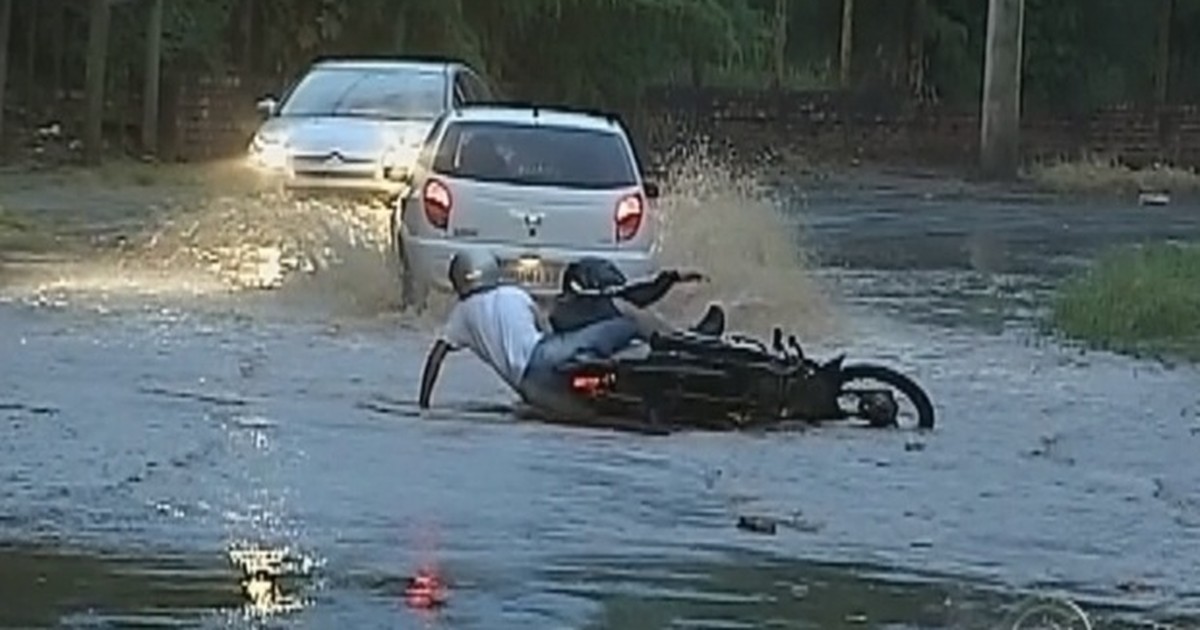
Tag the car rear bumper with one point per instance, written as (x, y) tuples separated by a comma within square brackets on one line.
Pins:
[(429, 261)]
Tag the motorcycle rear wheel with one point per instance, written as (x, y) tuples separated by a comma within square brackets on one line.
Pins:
[(905, 385)]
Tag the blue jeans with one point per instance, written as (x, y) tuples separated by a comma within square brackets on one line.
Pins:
[(544, 385)]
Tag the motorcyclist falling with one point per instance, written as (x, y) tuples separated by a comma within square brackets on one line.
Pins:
[(502, 325), (593, 288)]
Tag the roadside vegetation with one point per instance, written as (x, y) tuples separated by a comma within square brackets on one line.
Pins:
[(1142, 300), (1093, 175), (87, 64), (227, 177), (19, 233), (10, 225)]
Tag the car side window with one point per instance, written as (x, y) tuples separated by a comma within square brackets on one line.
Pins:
[(477, 87), (638, 164), (462, 91), (447, 151), (429, 146)]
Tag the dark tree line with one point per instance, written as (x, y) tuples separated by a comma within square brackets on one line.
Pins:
[(1079, 54)]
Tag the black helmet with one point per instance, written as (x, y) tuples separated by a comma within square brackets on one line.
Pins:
[(591, 274), (473, 270)]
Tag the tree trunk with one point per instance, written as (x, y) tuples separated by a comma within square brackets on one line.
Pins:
[(400, 29), (1162, 73), (150, 93), (97, 58), (780, 42), (246, 28), (847, 42), (915, 52), (58, 48), (5, 22), (31, 29)]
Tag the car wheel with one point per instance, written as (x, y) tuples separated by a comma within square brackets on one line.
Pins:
[(413, 293)]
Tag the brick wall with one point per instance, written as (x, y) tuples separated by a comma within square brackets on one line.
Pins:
[(214, 117)]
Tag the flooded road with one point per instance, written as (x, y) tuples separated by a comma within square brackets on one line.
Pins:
[(145, 437)]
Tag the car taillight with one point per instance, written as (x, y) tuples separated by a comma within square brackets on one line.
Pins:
[(628, 216), (437, 202)]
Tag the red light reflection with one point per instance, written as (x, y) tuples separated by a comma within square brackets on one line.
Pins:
[(425, 590)]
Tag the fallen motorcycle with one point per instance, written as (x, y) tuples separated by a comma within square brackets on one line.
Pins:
[(687, 380)]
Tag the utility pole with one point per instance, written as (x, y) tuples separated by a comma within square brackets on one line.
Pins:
[(1001, 108), (150, 89)]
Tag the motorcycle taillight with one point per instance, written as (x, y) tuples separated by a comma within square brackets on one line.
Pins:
[(588, 384)]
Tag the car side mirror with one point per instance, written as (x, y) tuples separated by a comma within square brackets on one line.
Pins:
[(651, 190), (266, 106)]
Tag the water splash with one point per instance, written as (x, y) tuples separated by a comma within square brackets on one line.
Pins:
[(728, 226), (264, 571), (332, 256)]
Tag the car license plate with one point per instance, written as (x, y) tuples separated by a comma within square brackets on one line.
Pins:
[(532, 271)]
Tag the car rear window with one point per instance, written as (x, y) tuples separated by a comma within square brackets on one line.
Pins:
[(399, 93), (535, 155)]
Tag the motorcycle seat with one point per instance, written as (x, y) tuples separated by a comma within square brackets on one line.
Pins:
[(702, 345), (635, 351)]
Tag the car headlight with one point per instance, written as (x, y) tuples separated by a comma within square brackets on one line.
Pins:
[(397, 162), (270, 152)]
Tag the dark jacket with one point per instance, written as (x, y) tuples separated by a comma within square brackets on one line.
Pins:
[(574, 311)]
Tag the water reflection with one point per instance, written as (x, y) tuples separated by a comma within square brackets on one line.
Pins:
[(53, 586), (265, 572), (1051, 613), (744, 590), (42, 586), (204, 426)]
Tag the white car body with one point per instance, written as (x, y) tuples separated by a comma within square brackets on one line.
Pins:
[(565, 185), (356, 125)]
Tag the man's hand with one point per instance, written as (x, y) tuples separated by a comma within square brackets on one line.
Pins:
[(675, 276), (433, 365)]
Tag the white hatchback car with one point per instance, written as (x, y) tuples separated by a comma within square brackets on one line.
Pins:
[(539, 187)]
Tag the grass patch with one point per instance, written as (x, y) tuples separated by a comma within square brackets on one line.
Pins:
[(20, 233), (219, 177), (1096, 175), (1137, 300), (12, 222), (223, 176)]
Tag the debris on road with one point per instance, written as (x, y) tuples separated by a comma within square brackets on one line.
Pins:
[(757, 524)]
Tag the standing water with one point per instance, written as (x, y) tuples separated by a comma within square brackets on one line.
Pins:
[(179, 447)]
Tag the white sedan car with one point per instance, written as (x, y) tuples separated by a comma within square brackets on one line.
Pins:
[(355, 125), (538, 187)]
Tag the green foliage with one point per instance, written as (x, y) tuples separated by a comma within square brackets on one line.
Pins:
[(623, 45), (195, 31), (1136, 299), (955, 33), (1078, 53), (1099, 53)]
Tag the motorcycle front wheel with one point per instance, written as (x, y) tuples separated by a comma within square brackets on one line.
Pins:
[(879, 407)]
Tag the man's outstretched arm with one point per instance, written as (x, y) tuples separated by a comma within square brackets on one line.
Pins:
[(433, 365), (643, 294)]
